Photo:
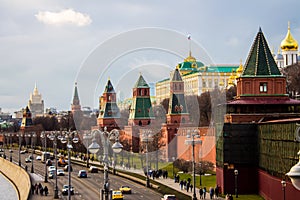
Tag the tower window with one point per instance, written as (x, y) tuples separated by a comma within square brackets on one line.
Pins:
[(263, 87)]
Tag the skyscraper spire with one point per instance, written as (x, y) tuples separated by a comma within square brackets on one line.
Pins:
[(76, 102)]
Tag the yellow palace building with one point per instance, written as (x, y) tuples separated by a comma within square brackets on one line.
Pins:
[(199, 78)]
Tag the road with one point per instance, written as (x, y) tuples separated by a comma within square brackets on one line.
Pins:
[(89, 188)]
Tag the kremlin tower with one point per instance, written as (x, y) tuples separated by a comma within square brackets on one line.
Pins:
[(109, 113)]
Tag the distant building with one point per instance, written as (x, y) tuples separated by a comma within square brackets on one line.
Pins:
[(197, 78), (288, 52), (35, 103)]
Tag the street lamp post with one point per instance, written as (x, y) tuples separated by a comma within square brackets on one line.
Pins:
[(32, 135), (195, 134), (44, 136), (94, 148), (10, 151), (147, 137), (19, 135), (53, 137), (87, 137), (173, 159), (236, 173), (69, 137), (283, 184), (5, 136)]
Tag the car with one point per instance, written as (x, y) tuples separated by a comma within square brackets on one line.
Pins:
[(48, 162), (60, 172), (169, 197), (125, 189), (93, 169), (1, 150), (66, 168), (51, 174), (65, 190), (28, 159), (10, 151), (117, 194), (38, 158), (23, 151), (50, 168), (82, 174)]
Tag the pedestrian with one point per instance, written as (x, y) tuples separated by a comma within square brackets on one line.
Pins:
[(211, 192), (191, 187), (46, 190), (36, 187), (187, 186), (42, 191), (217, 191), (181, 184), (204, 192), (201, 193)]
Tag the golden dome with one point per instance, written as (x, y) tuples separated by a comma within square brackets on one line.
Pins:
[(190, 58), (240, 69), (289, 43), (231, 80)]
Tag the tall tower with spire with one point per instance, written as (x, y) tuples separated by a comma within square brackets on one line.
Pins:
[(177, 112), (35, 103), (141, 112), (109, 113), (289, 47), (75, 107)]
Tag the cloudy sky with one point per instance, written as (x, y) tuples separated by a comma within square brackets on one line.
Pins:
[(55, 43)]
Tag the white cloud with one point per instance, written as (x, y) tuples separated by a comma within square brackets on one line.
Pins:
[(67, 16)]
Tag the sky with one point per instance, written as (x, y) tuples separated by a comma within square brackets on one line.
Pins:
[(55, 43)]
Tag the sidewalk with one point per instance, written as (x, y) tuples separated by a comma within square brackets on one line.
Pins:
[(36, 179), (170, 183)]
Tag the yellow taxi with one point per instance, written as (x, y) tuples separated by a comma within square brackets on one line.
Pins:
[(117, 194), (125, 189)]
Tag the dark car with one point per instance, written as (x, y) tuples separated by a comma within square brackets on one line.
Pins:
[(82, 174), (93, 169), (65, 190)]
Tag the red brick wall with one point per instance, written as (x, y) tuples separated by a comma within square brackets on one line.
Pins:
[(270, 188)]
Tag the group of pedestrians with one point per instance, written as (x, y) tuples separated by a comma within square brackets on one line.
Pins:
[(186, 185), (38, 188), (213, 192)]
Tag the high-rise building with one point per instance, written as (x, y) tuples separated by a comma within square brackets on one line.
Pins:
[(35, 103)]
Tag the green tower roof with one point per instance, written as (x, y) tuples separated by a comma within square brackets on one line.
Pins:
[(260, 61), (141, 83), (109, 87)]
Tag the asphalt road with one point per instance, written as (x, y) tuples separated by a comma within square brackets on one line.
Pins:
[(89, 188)]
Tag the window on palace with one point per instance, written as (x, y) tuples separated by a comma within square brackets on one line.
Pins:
[(263, 87), (203, 83)]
